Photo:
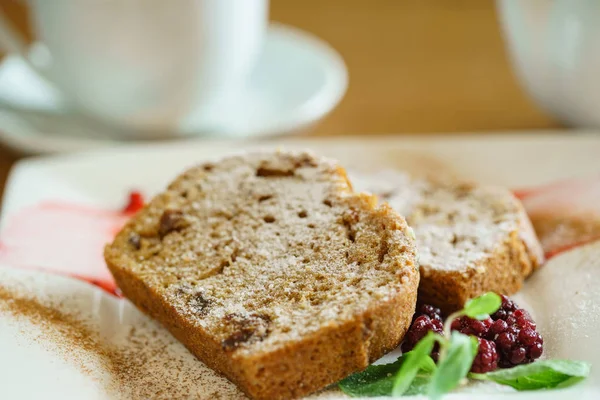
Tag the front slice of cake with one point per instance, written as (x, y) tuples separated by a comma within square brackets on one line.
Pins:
[(272, 271), (471, 238)]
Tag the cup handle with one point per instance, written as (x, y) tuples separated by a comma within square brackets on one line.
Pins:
[(12, 42)]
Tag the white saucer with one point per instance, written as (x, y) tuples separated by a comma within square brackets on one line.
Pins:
[(298, 79)]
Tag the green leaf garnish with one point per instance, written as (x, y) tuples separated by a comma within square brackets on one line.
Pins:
[(415, 360), (481, 307), (544, 374), (378, 380), (455, 366)]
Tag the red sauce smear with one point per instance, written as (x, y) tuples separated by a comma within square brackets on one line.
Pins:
[(565, 214), (523, 193), (67, 239), (568, 247), (136, 202)]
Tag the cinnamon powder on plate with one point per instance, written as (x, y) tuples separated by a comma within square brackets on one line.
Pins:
[(149, 363)]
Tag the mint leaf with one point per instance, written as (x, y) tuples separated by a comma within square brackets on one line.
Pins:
[(480, 307), (544, 374), (378, 380), (454, 366), (428, 365), (414, 360)]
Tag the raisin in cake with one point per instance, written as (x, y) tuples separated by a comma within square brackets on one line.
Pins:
[(471, 238), (272, 271)]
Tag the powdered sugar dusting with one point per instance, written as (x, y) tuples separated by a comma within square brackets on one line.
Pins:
[(457, 224)]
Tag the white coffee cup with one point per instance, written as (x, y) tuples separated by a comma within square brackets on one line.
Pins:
[(145, 64), (555, 49)]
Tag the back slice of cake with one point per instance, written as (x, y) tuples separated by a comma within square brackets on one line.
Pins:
[(471, 239), (271, 271)]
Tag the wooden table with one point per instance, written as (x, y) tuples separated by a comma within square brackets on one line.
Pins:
[(415, 66)]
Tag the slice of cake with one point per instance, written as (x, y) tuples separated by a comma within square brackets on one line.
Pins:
[(272, 271), (471, 238)]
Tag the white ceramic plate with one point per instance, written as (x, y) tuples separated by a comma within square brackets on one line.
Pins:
[(564, 296)]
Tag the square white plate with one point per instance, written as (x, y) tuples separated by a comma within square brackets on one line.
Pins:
[(564, 295)]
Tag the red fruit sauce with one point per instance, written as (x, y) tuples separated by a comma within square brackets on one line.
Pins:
[(66, 239), (136, 203)]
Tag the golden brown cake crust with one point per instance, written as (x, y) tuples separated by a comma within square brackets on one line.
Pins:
[(271, 271)]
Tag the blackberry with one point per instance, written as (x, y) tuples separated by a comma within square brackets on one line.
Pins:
[(486, 359), (515, 335), (498, 326), (419, 328), (507, 308), (473, 327), (429, 310)]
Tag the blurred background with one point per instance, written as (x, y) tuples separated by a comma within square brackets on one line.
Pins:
[(414, 66)]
